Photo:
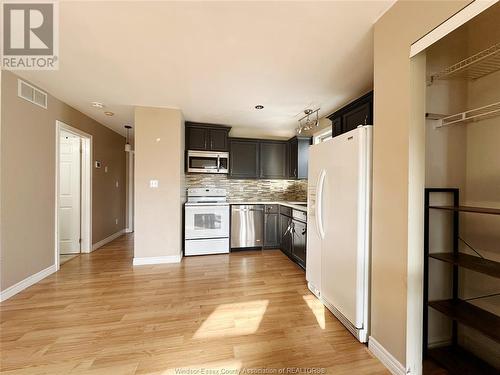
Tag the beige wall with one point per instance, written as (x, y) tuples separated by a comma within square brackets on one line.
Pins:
[(28, 181), (396, 147), (159, 155)]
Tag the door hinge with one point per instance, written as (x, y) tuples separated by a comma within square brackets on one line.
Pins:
[(79, 240)]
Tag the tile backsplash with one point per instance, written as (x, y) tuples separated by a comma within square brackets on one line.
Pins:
[(261, 190)]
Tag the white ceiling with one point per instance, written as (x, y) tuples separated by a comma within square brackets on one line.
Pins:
[(214, 60)]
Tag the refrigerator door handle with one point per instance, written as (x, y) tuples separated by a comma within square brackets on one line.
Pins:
[(319, 204)]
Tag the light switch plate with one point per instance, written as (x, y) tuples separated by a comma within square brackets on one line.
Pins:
[(153, 184)]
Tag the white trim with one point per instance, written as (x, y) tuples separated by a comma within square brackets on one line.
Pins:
[(452, 23), (26, 283), (157, 260), (107, 240), (86, 211), (385, 357), (130, 192), (128, 230)]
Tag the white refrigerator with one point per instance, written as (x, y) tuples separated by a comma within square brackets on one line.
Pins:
[(339, 223)]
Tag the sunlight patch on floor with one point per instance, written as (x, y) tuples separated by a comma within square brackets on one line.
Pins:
[(317, 309), (233, 319)]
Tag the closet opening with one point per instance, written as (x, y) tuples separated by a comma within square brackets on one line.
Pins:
[(461, 259)]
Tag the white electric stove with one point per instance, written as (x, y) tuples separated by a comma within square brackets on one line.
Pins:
[(206, 222)]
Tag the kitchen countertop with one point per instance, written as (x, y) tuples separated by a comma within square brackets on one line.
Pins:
[(294, 205)]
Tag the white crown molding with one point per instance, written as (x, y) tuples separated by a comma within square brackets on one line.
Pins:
[(26, 283), (157, 260), (108, 239), (387, 359)]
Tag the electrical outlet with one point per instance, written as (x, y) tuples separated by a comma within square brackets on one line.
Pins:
[(117, 184), (106, 169), (153, 184), (116, 221)]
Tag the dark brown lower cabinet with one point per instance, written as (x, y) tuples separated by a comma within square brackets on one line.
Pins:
[(286, 234), (293, 235), (271, 226), (299, 232)]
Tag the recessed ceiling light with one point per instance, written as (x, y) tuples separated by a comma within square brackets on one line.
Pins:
[(97, 105), (108, 113), (259, 106)]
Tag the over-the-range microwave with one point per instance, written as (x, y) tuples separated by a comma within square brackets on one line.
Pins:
[(207, 162)]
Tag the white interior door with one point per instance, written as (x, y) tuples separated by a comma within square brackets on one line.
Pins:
[(69, 193), (341, 265)]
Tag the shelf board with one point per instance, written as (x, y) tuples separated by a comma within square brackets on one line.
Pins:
[(472, 115), (476, 66), (485, 266), (479, 210), (459, 361), (471, 316)]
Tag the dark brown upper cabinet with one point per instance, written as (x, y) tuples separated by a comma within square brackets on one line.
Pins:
[(269, 159), (298, 157), (207, 137), (359, 112), (273, 161), (244, 158)]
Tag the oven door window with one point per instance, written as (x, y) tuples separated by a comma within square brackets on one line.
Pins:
[(200, 162), (208, 221)]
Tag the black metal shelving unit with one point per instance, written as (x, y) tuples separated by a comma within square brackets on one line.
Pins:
[(454, 358)]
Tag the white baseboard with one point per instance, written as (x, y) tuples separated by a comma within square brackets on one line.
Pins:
[(108, 239), (27, 282), (128, 230), (157, 260), (385, 357)]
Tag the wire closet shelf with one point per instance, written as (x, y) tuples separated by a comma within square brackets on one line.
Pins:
[(472, 115), (476, 66)]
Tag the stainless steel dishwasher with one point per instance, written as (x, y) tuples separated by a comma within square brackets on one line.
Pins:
[(247, 226)]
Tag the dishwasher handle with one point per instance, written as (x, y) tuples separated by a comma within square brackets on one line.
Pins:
[(247, 209)]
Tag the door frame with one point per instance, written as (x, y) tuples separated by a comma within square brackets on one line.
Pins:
[(130, 192), (86, 189), (454, 22)]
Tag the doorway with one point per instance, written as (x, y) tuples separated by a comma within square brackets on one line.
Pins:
[(73, 193)]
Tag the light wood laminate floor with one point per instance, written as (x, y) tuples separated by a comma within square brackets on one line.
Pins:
[(101, 315)]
